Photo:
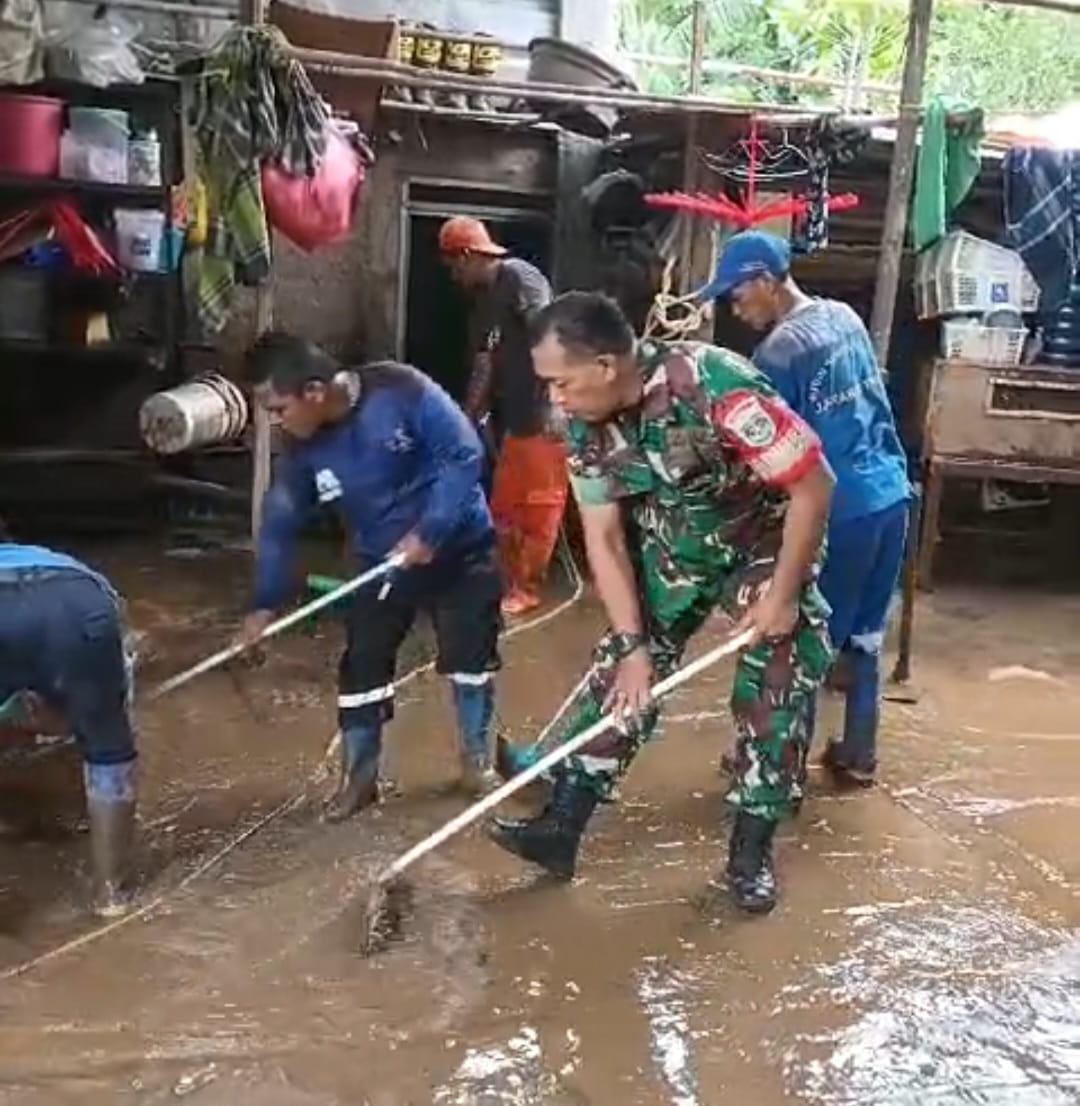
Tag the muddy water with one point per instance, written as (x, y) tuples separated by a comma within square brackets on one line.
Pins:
[(926, 951)]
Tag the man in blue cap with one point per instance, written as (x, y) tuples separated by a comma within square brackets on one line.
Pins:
[(817, 354)]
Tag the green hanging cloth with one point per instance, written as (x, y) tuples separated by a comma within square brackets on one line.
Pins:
[(949, 161)]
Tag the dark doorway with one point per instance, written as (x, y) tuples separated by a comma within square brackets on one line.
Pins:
[(437, 312)]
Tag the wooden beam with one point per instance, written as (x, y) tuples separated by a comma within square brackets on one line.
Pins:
[(697, 57), (900, 176), (776, 76), (1070, 6), (253, 12), (892, 247)]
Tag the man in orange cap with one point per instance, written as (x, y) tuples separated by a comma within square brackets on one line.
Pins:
[(530, 486)]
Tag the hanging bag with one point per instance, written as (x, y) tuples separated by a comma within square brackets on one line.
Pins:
[(316, 211)]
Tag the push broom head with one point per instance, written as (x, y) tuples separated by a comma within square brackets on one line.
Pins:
[(389, 906)]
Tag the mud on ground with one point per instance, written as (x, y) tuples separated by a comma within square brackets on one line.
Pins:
[(926, 950)]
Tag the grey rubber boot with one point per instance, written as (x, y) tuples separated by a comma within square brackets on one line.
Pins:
[(360, 749), (475, 707), (110, 807)]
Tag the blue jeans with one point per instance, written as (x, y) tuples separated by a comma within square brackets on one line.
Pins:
[(858, 579), (61, 636)]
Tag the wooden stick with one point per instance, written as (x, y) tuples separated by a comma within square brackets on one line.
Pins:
[(892, 253), (342, 591), (467, 817), (351, 65), (261, 440), (697, 57), (253, 12), (778, 76), (900, 174)]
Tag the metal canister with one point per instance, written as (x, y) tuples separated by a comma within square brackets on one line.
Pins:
[(457, 57), (485, 58), (406, 47), (428, 50), (406, 53)]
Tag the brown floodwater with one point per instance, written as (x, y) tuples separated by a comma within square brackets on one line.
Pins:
[(926, 950)]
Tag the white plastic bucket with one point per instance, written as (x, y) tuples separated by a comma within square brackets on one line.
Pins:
[(203, 412), (138, 239)]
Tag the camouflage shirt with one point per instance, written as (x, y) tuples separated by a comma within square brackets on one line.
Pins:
[(699, 467)]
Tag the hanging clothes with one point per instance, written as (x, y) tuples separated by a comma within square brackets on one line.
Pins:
[(1042, 216), (255, 103), (949, 162), (828, 145)]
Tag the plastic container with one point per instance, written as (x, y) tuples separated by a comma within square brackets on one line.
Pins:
[(969, 340), (99, 124), (95, 146), (552, 61), (30, 129), (963, 274), (144, 160), (139, 235), (202, 412)]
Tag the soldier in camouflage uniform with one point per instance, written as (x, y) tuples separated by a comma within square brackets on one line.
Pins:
[(699, 489)]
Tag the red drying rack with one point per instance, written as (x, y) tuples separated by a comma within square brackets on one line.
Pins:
[(745, 213), (730, 211)]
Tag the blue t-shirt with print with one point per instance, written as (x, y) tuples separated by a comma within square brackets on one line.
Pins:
[(819, 358)]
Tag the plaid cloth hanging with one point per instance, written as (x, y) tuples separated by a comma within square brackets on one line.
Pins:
[(254, 103)]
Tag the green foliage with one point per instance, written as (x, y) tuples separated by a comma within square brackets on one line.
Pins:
[(1006, 59), (997, 57)]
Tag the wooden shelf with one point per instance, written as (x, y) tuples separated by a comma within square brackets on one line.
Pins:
[(134, 195), (69, 351), (154, 89)]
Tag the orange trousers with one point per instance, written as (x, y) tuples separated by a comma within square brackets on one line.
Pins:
[(527, 501)]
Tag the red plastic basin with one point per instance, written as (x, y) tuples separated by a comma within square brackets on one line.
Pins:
[(30, 128)]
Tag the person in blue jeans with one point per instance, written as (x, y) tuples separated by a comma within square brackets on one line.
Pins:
[(62, 640), (819, 357)]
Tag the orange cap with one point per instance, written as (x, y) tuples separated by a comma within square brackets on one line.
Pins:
[(462, 235)]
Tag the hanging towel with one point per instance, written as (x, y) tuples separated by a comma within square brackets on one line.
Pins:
[(949, 161), (255, 103), (1042, 216)]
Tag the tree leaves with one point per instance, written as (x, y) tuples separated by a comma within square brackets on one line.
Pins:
[(999, 58)]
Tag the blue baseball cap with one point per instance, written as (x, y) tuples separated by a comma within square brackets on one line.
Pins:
[(747, 255)]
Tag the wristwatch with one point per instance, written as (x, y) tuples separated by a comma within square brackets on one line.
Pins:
[(624, 643)]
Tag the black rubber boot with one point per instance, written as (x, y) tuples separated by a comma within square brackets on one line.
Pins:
[(359, 789), (552, 838), (750, 875)]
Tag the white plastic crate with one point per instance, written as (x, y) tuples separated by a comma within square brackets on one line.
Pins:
[(963, 274), (968, 340)]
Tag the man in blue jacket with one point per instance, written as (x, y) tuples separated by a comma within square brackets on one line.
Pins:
[(386, 448), (818, 355), (62, 640)]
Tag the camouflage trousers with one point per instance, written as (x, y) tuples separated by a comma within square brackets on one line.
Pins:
[(772, 697)]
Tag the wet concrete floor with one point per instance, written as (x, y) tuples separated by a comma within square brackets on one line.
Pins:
[(926, 950)]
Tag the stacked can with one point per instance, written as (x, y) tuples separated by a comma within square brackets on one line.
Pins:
[(428, 54), (457, 59), (406, 53), (486, 55)]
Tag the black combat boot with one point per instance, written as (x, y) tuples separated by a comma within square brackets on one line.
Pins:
[(552, 838), (750, 877)]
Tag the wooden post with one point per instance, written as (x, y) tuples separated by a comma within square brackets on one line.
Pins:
[(260, 445), (900, 174), (697, 57), (892, 255), (254, 12)]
